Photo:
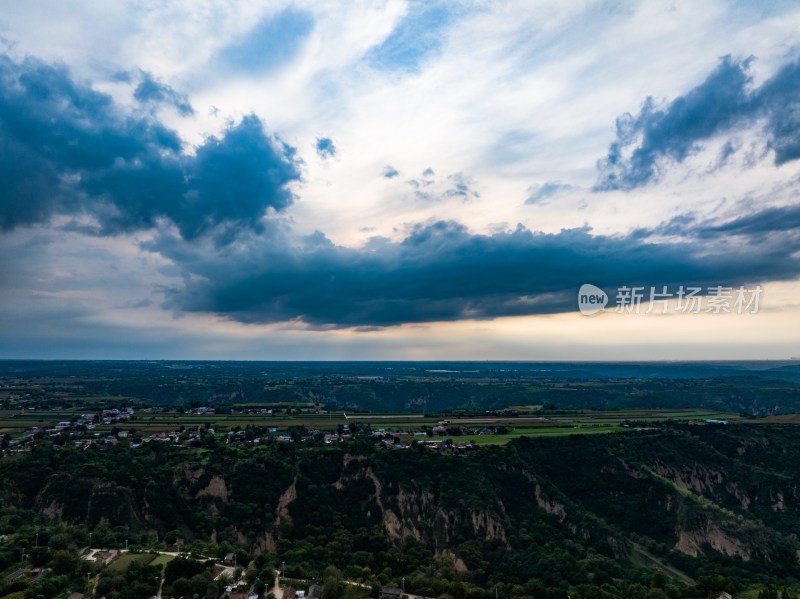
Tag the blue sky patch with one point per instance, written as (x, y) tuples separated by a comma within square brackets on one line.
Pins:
[(270, 44), (325, 147), (418, 34)]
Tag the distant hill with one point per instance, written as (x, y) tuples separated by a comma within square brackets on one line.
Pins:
[(758, 388)]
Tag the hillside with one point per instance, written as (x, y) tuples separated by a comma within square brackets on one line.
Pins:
[(687, 501)]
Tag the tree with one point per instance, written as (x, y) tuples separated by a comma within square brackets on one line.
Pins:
[(224, 549), (768, 592), (172, 537), (63, 562), (331, 589)]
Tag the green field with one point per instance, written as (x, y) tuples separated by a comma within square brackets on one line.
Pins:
[(161, 560), (121, 563), (585, 422)]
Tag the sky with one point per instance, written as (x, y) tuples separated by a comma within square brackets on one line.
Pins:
[(399, 180)]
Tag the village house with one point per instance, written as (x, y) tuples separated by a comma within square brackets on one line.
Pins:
[(289, 593), (106, 557), (14, 575), (391, 593), (38, 574)]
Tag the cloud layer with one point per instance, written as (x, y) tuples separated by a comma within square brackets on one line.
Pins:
[(144, 181), (72, 151), (442, 272), (722, 102), (69, 149)]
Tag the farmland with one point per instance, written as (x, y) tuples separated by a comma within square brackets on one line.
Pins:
[(488, 429)]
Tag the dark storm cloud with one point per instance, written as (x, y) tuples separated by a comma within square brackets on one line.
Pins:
[(441, 272), (151, 91), (723, 102), (237, 177), (325, 147), (781, 98), (777, 229), (768, 222), (67, 149)]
